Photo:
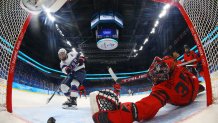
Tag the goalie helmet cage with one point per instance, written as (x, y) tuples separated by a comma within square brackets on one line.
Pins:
[(200, 16)]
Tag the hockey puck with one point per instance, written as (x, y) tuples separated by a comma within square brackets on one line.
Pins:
[(51, 120)]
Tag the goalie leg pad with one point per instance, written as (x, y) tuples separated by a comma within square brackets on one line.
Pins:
[(103, 101), (126, 114), (107, 109)]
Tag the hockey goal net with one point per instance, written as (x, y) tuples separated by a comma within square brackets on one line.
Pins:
[(12, 28), (203, 15)]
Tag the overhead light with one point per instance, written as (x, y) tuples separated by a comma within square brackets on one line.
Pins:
[(136, 55), (141, 48), (156, 23), (135, 50), (146, 40), (58, 29), (167, 6), (52, 18), (61, 33), (56, 25), (73, 49), (69, 43), (153, 31), (163, 13)]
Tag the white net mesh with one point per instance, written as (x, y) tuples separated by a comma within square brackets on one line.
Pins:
[(12, 18), (2, 94), (204, 16)]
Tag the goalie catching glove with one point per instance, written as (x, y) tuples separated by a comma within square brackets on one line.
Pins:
[(106, 108)]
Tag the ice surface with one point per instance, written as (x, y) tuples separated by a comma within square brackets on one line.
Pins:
[(32, 107)]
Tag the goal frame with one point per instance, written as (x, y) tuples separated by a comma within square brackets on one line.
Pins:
[(12, 64), (194, 33), (198, 44)]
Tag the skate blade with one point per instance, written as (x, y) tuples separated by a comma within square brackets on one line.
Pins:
[(70, 108)]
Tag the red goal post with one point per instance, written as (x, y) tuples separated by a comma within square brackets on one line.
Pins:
[(13, 24), (201, 17), (14, 21)]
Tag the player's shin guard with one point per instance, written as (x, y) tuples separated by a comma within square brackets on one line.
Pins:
[(65, 89)]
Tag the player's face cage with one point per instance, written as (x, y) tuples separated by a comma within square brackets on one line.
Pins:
[(107, 100)]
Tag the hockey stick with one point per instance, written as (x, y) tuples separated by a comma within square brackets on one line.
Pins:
[(113, 75), (133, 78), (63, 81), (121, 81), (188, 62), (190, 65)]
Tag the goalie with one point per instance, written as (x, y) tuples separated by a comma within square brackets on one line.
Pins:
[(72, 64), (171, 84)]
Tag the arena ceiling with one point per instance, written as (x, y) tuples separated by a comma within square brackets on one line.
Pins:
[(42, 39)]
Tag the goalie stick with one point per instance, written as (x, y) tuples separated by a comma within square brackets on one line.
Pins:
[(62, 82), (121, 81), (115, 78), (113, 75), (188, 62)]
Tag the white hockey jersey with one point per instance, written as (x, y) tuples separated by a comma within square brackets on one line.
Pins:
[(70, 56)]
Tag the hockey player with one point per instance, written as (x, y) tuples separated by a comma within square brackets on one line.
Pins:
[(82, 90), (130, 92), (191, 55), (72, 64), (171, 84), (196, 66), (117, 88)]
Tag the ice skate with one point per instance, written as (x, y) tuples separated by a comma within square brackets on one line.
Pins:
[(70, 104)]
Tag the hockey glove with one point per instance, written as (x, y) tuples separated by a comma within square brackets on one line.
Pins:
[(81, 60), (107, 109), (68, 69)]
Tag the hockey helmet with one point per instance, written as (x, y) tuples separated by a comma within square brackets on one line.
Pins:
[(62, 50)]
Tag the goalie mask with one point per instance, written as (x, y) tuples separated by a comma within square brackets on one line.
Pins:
[(158, 71)]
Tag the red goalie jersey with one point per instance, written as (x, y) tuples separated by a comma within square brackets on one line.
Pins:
[(172, 84)]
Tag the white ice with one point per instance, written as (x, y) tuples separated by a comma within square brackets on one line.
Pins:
[(30, 107)]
